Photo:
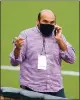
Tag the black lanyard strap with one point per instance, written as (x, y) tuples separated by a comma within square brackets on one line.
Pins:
[(43, 48)]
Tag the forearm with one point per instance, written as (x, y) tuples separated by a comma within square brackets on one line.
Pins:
[(16, 52), (69, 55), (66, 51), (15, 57), (62, 45)]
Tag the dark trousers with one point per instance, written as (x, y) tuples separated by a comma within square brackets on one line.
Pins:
[(60, 93)]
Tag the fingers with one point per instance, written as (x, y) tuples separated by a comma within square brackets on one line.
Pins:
[(19, 39), (58, 27), (19, 42)]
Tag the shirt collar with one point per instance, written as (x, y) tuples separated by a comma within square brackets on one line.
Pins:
[(37, 29)]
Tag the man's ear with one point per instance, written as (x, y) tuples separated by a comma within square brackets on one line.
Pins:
[(37, 22)]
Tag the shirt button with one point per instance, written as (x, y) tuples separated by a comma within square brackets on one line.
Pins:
[(48, 86)]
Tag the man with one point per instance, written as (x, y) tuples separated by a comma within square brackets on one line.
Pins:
[(39, 52)]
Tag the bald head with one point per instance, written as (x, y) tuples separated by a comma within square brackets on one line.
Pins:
[(46, 12), (47, 16)]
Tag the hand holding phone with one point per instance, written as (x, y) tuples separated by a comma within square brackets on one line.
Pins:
[(58, 32)]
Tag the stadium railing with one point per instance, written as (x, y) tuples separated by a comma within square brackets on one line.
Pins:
[(10, 93)]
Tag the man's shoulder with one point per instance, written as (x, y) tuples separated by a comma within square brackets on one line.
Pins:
[(29, 30)]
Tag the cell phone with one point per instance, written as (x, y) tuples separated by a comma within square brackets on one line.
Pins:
[(55, 31)]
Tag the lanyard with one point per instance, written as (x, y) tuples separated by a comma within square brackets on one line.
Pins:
[(43, 48)]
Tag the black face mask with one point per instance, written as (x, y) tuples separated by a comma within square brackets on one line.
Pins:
[(46, 29)]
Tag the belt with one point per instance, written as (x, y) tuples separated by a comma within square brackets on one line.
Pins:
[(26, 88)]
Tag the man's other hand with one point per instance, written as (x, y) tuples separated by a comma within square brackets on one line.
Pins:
[(18, 42)]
